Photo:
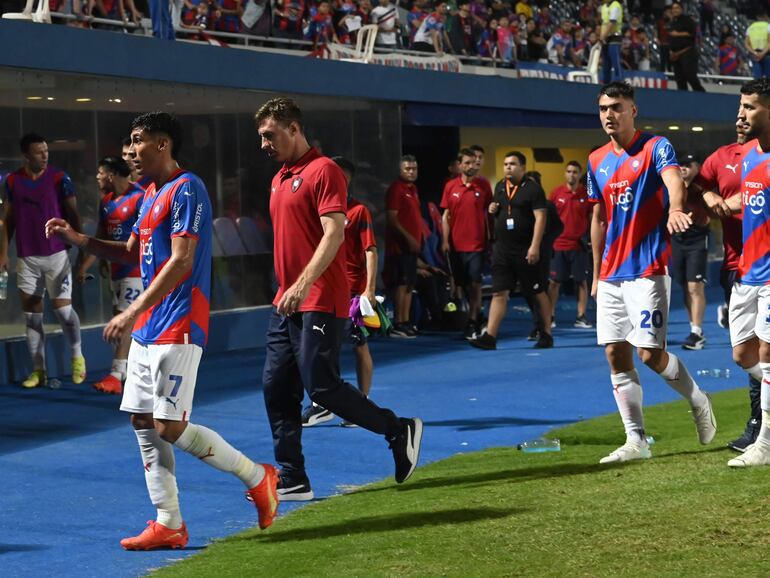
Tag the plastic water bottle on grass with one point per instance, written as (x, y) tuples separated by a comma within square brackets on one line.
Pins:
[(540, 445), (714, 373)]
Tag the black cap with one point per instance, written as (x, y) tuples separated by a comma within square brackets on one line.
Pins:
[(686, 158)]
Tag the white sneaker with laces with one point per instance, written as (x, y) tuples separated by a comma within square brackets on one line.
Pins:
[(757, 454), (705, 422), (629, 451)]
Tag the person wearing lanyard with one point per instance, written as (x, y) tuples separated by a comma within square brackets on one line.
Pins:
[(519, 209)]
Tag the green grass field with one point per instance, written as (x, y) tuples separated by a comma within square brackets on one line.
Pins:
[(502, 512)]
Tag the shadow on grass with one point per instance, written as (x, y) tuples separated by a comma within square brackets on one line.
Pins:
[(387, 523)]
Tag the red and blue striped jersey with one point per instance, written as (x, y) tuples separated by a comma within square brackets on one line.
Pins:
[(636, 204), (144, 182), (754, 264), (180, 208), (117, 216)]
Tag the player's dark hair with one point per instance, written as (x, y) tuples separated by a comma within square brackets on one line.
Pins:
[(758, 86), (126, 142), (29, 139), (534, 176), (466, 152), (408, 159), (521, 158), (345, 165), (159, 122), (477, 149), (617, 89), (115, 165), (575, 164), (282, 110)]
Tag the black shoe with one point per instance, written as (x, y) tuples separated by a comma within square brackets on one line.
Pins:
[(748, 437), (294, 489), (315, 414), (534, 335), (346, 423), (406, 448), (582, 322), (545, 341), (694, 342), (470, 330), (403, 331), (484, 341)]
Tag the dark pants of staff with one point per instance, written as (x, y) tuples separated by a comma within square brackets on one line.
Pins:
[(686, 71), (303, 350)]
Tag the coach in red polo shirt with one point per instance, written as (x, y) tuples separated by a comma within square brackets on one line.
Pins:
[(570, 252), (307, 207), (465, 232), (403, 242)]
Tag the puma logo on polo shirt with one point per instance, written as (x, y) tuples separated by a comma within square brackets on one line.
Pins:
[(733, 168), (321, 329)]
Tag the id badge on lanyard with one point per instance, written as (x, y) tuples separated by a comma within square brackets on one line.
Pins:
[(510, 193)]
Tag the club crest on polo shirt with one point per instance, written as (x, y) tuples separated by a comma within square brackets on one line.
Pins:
[(635, 165), (295, 184)]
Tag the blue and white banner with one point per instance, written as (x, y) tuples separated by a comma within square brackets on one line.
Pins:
[(637, 78)]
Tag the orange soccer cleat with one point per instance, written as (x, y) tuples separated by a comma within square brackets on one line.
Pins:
[(156, 536), (265, 496), (109, 384)]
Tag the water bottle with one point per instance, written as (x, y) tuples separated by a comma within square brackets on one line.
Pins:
[(714, 373), (3, 285), (540, 445)]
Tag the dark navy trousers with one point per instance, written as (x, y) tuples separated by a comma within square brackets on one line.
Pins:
[(303, 351)]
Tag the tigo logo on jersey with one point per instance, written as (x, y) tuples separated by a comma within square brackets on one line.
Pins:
[(622, 199), (755, 202), (147, 252)]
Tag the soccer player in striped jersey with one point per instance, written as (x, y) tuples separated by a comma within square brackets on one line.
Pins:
[(118, 211), (172, 241), (639, 196), (750, 298)]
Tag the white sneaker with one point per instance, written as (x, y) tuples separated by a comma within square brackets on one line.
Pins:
[(627, 452), (705, 422), (722, 316), (757, 454)]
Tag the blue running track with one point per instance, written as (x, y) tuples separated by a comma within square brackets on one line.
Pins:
[(72, 479)]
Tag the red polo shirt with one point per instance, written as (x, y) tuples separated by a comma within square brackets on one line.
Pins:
[(302, 193), (575, 213), (467, 206), (403, 197), (359, 236), (721, 173)]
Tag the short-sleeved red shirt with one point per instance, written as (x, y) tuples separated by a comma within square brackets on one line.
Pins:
[(467, 206), (403, 197), (359, 236), (721, 173), (575, 213), (300, 195)]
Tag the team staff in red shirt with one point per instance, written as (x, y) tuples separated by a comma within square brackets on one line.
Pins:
[(570, 253), (403, 242), (720, 179), (308, 209), (361, 260), (465, 233)]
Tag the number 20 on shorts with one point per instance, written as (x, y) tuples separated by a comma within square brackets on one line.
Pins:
[(652, 318)]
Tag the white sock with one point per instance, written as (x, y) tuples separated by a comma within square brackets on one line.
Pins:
[(755, 372), (35, 339), (70, 324), (210, 447), (697, 330), (628, 397), (764, 431), (119, 368), (677, 376), (160, 476)]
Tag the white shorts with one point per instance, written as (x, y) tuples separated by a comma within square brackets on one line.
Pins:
[(124, 291), (161, 380), (635, 310), (35, 275), (746, 301)]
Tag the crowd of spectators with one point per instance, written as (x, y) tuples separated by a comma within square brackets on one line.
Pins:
[(509, 30)]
